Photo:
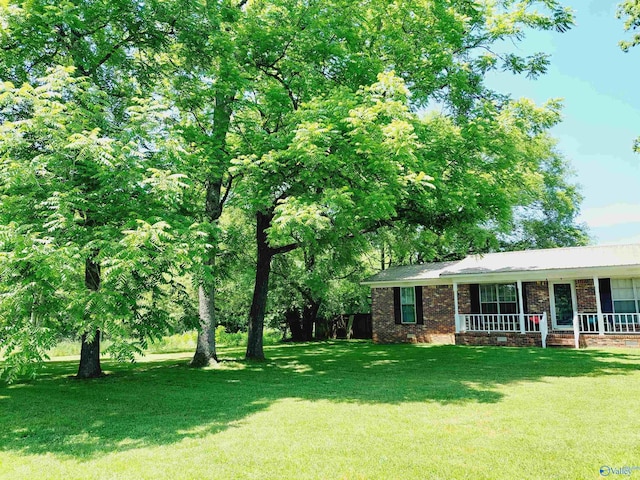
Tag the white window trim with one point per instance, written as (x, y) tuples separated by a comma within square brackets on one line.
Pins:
[(496, 287), (415, 313), (552, 302), (635, 284)]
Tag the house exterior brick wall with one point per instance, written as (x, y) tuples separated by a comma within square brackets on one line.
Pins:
[(622, 341), (385, 329), (586, 296), (464, 298), (439, 321), (506, 339), (534, 340), (537, 297), (439, 309), (439, 318)]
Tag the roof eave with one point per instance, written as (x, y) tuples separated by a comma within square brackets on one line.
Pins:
[(412, 282), (512, 276)]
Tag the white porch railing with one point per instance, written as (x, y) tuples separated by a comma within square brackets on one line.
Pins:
[(509, 322), (620, 323), (587, 322), (544, 329)]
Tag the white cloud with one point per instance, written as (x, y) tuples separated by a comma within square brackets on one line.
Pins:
[(622, 241), (610, 215)]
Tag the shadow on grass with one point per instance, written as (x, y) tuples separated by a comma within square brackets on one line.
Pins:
[(162, 402)]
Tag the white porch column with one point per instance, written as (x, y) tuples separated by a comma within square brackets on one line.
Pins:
[(521, 307), (456, 308), (596, 284)]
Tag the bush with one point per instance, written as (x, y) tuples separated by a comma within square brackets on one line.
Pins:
[(179, 342), (229, 339), (237, 339)]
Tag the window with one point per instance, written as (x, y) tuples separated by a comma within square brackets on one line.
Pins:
[(499, 299), (626, 295), (408, 304)]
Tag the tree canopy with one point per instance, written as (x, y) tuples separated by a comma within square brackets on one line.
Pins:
[(325, 126)]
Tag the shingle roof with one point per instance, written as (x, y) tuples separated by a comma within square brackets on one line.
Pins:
[(549, 259), (412, 272), (569, 258)]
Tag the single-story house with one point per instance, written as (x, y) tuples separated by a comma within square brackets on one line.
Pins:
[(587, 296)]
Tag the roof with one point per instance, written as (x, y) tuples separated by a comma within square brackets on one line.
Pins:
[(527, 264), (423, 271)]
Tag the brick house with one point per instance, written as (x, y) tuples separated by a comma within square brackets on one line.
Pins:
[(581, 296)]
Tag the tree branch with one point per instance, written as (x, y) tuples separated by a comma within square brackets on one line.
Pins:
[(284, 248), (227, 191)]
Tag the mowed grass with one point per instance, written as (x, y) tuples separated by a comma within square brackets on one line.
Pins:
[(335, 410)]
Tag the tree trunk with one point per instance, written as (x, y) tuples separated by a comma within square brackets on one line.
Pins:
[(294, 321), (309, 316), (260, 289), (90, 349), (206, 344), (90, 356), (350, 327)]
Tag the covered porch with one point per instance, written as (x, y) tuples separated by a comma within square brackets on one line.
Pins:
[(574, 308)]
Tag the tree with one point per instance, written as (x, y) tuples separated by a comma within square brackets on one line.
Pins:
[(336, 199), (205, 84), (68, 193), (548, 220), (630, 11), (316, 283), (54, 163), (308, 60), (105, 49)]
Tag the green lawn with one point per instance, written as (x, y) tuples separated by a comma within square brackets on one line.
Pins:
[(339, 410)]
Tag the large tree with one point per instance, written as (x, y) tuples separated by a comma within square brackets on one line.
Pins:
[(301, 153), (484, 170), (251, 78), (206, 87), (75, 167)]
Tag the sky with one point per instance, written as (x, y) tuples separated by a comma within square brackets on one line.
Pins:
[(600, 88)]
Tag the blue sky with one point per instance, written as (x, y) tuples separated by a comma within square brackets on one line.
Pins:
[(600, 88)]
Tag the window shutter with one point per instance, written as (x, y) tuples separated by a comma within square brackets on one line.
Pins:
[(474, 289), (606, 301), (397, 313), (525, 304), (419, 311)]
